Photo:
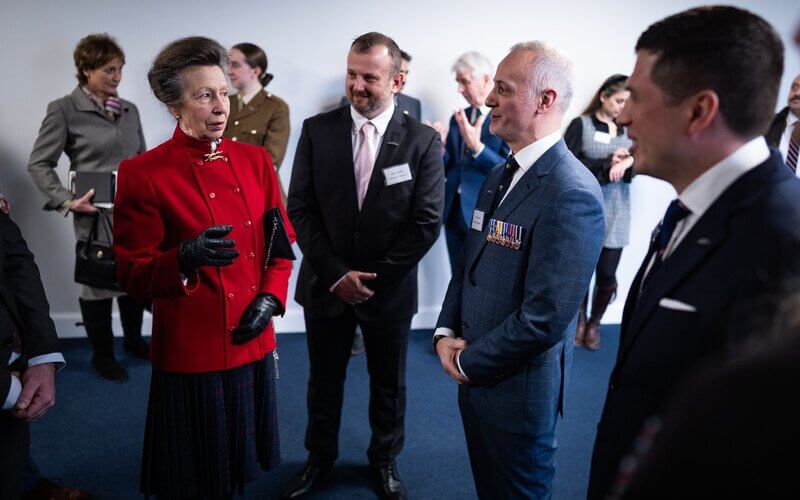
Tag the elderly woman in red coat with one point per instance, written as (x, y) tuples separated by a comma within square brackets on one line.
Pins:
[(189, 234)]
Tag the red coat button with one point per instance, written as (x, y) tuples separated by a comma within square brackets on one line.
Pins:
[(251, 256), (230, 296), (236, 190), (212, 195), (253, 288), (199, 162), (248, 224)]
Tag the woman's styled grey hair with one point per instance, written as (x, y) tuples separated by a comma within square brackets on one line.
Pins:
[(552, 70)]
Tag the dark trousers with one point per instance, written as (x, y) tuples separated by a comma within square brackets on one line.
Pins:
[(14, 444), (329, 342), (455, 232), (506, 465)]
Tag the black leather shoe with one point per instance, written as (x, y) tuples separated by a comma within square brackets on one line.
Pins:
[(305, 480), (389, 484)]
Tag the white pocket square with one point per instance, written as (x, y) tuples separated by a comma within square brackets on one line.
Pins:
[(676, 305)]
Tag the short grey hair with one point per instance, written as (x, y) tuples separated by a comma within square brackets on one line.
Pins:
[(475, 63), (553, 70)]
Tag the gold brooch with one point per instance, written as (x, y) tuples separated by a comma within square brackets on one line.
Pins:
[(215, 155)]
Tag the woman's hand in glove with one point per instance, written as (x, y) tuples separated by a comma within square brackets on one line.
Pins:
[(256, 318)]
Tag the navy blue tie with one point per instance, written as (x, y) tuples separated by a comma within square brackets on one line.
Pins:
[(509, 169), (675, 213)]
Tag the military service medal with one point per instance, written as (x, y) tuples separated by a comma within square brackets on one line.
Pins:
[(504, 233)]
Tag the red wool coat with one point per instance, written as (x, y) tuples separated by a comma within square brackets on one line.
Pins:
[(170, 194)]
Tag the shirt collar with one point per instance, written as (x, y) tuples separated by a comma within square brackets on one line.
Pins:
[(705, 190), (790, 119), (246, 98), (531, 153), (381, 121)]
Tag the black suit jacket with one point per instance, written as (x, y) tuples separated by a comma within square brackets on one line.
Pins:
[(23, 304), (389, 235), (24, 309), (731, 267), (776, 128)]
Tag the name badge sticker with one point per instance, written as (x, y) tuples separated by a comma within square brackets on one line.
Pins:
[(396, 174), (603, 137), (477, 219)]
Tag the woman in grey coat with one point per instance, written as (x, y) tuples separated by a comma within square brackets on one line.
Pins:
[(97, 130)]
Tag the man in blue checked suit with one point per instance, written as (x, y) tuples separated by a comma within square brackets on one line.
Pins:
[(506, 326), (470, 149)]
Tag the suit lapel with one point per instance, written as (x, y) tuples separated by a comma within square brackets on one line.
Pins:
[(707, 234), (526, 185), (342, 136), (83, 103), (392, 141)]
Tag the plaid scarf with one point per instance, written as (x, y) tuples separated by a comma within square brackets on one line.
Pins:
[(112, 107)]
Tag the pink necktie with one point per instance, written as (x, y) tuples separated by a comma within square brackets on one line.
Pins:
[(365, 159)]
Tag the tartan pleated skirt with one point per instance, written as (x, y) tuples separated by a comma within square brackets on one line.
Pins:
[(207, 434)]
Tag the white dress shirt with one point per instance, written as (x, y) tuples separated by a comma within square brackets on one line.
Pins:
[(526, 157), (704, 191), (783, 146), (381, 123), (16, 386)]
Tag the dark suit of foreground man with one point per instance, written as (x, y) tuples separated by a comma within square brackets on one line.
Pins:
[(512, 303), (28, 353), (728, 243), (366, 209)]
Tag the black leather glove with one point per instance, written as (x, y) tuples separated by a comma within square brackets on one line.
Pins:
[(256, 318), (207, 250)]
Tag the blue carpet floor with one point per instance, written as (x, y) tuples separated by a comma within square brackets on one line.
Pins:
[(92, 438)]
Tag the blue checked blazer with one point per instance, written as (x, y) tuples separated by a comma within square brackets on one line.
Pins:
[(517, 309)]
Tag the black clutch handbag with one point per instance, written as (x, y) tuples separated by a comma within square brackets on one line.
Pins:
[(95, 263), (277, 241)]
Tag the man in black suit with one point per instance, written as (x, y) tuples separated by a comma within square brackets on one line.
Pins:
[(366, 201), (731, 238), (785, 125), (29, 353), (404, 103)]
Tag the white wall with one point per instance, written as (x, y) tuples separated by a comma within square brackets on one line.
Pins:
[(307, 44)]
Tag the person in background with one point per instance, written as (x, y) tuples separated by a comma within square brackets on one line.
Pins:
[(471, 151), (96, 129), (505, 329), (730, 240), (405, 103), (190, 235), (600, 144), (257, 116), (366, 200), (784, 132)]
